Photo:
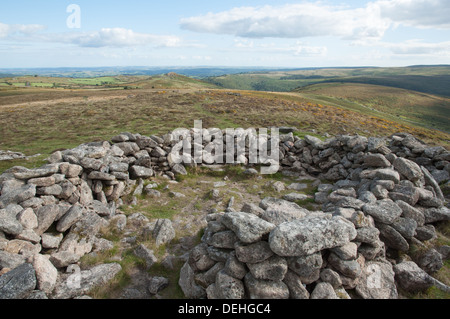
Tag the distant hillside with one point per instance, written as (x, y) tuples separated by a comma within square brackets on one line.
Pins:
[(426, 79), (198, 72), (163, 81), (433, 84), (397, 104)]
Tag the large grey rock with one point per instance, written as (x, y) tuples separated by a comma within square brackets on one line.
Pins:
[(376, 160), (9, 223), (248, 227), (163, 232), (349, 268), (79, 284), (10, 260), (411, 277), (296, 288), (70, 170), (405, 226), (309, 235), (50, 241), (381, 174), (140, 172), (306, 267), (265, 289), (228, 287), (72, 216), (156, 284), (17, 195), (223, 239), (253, 253), (408, 168), (347, 251), (384, 211), (128, 148), (392, 238), (43, 171), (89, 224), (46, 215), (273, 268), (429, 180), (43, 181), (433, 215), (425, 232), (99, 208), (332, 277), (18, 283), (199, 259), (54, 190), (278, 211), (323, 290), (63, 259), (46, 273), (208, 278), (188, 285), (408, 194), (146, 254), (367, 235), (409, 211), (101, 176), (179, 169), (377, 281), (314, 142), (431, 261), (234, 267)]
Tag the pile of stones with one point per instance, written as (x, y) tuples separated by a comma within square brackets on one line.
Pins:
[(386, 198), (382, 194)]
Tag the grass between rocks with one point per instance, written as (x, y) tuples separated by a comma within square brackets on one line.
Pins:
[(187, 215)]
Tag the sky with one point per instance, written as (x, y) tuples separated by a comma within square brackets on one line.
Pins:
[(294, 34)]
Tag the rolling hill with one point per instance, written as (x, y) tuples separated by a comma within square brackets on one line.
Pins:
[(396, 104), (425, 79)]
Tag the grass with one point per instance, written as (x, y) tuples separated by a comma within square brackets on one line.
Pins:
[(395, 104), (39, 120), (426, 79)]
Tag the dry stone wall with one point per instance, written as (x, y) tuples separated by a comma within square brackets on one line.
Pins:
[(381, 193)]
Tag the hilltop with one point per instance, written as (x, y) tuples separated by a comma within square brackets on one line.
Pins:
[(93, 108), (426, 79)]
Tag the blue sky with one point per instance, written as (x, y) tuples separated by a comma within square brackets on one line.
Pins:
[(224, 33)]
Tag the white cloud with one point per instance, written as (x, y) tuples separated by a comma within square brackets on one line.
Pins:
[(292, 21), (112, 37), (418, 47), (312, 19), (7, 30), (297, 49), (416, 13), (106, 37)]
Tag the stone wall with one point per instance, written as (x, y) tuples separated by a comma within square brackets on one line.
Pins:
[(385, 194)]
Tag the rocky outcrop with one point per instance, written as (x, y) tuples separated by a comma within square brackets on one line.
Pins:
[(383, 200), (381, 195)]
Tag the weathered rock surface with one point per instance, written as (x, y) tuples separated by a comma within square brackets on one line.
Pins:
[(382, 197), (309, 235)]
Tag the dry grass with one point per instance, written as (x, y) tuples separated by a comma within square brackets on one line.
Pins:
[(41, 121)]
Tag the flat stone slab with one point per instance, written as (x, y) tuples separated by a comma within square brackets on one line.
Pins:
[(309, 235)]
